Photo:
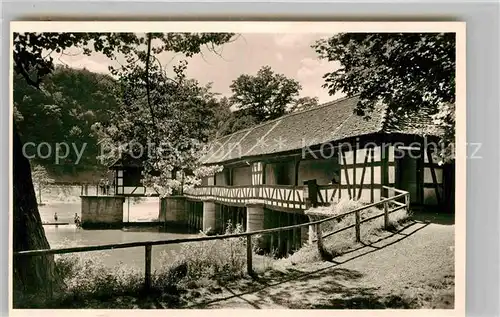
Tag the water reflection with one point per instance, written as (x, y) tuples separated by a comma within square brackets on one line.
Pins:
[(70, 235)]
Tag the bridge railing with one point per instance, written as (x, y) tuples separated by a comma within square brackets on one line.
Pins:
[(385, 202), (285, 196)]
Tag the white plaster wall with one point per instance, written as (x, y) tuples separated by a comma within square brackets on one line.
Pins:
[(242, 176), (428, 175), (321, 170), (220, 178)]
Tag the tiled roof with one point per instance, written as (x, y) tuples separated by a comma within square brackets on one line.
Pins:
[(332, 121)]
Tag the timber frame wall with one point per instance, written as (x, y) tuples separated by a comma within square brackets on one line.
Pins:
[(366, 165), (365, 170)]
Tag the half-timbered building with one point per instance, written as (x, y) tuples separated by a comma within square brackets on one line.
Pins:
[(319, 156)]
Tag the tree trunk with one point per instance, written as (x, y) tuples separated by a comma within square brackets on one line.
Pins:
[(30, 274), (40, 195)]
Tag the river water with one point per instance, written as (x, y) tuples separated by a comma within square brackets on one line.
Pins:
[(69, 235)]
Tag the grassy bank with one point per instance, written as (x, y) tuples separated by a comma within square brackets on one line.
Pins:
[(209, 271)]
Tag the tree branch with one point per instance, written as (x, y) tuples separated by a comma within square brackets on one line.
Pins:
[(148, 91), (21, 70)]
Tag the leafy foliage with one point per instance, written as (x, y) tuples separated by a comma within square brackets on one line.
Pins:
[(64, 109), (40, 179), (237, 120), (217, 259), (164, 119), (40, 176), (445, 117), (266, 95), (304, 103), (33, 59), (405, 71), (259, 98)]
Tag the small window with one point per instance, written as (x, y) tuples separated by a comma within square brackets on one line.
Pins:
[(132, 177)]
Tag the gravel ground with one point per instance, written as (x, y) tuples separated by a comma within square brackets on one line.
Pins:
[(409, 269)]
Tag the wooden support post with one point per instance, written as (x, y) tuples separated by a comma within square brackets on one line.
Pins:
[(279, 233), (147, 278), (249, 255), (386, 215), (319, 237), (312, 232), (358, 226), (407, 203), (128, 209)]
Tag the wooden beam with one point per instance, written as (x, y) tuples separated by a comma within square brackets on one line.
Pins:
[(367, 155), (434, 178), (354, 161), (147, 277), (346, 176), (420, 174), (296, 171), (385, 168), (372, 178)]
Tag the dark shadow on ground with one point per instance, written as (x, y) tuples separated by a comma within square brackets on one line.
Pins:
[(332, 284), (434, 217), (330, 287)]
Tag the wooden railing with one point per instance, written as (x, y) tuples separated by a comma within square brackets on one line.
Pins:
[(286, 196), (248, 235), (327, 193)]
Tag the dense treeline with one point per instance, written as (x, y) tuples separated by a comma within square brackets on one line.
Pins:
[(73, 102), (63, 112)]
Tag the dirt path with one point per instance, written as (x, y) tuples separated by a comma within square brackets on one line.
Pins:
[(414, 266)]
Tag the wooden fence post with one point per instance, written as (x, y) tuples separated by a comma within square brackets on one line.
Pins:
[(311, 232), (147, 278), (249, 255), (358, 226), (407, 203), (319, 237), (386, 215)]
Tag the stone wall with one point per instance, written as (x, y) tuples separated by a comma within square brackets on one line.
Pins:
[(173, 210), (102, 211)]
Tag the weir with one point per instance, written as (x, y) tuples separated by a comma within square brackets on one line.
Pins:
[(102, 211)]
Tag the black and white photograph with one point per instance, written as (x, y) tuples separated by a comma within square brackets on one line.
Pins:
[(238, 165)]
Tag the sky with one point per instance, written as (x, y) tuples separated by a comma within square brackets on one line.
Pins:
[(289, 54)]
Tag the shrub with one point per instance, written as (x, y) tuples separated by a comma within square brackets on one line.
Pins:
[(223, 259), (339, 243), (85, 275)]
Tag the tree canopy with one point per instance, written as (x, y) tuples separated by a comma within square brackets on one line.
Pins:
[(304, 103), (405, 71), (40, 178), (74, 104), (259, 98), (266, 95), (64, 109), (166, 128), (32, 57)]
